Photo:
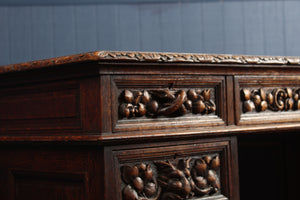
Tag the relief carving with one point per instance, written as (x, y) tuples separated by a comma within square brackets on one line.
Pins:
[(195, 58), (141, 184), (152, 57), (169, 103), (274, 100), (178, 180)]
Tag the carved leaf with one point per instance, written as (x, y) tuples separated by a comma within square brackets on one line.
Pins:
[(165, 167)]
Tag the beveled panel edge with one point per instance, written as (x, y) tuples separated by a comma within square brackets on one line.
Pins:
[(266, 100), (184, 151), (158, 57), (166, 85)]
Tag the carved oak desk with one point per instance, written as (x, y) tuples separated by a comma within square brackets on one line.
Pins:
[(150, 126)]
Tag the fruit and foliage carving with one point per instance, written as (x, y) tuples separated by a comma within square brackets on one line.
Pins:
[(274, 100), (140, 183), (178, 180), (169, 103)]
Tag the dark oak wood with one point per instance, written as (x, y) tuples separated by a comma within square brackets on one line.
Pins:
[(150, 126)]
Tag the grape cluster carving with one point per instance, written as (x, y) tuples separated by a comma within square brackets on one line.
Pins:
[(170, 103)]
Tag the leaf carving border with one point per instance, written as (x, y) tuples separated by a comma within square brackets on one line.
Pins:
[(151, 57), (196, 58)]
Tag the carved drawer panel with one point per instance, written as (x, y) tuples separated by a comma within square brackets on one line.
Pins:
[(179, 172), (263, 100), (143, 103)]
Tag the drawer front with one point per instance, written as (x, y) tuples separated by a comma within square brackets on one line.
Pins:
[(267, 100), (175, 171), (49, 107), (167, 102)]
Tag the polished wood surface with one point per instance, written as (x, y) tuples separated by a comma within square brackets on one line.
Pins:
[(135, 125)]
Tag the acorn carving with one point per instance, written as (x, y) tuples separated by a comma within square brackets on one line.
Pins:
[(198, 107), (201, 182), (124, 110), (211, 176), (207, 159), (246, 94), (141, 110), (138, 184), (256, 100), (192, 95), (248, 106), (129, 173), (188, 104), (150, 189), (129, 193), (263, 106), (215, 163), (146, 97), (128, 96), (175, 185), (153, 106), (183, 110), (200, 167)]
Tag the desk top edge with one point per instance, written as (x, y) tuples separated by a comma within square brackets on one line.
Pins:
[(153, 57)]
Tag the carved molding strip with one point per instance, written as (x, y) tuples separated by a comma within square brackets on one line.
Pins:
[(197, 58), (151, 57), (275, 100), (169, 103), (177, 180)]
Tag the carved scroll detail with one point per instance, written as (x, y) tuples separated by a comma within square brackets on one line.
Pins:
[(154, 103), (275, 100), (177, 180)]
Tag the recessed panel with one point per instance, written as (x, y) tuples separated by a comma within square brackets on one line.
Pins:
[(40, 107), (262, 100), (48, 186)]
